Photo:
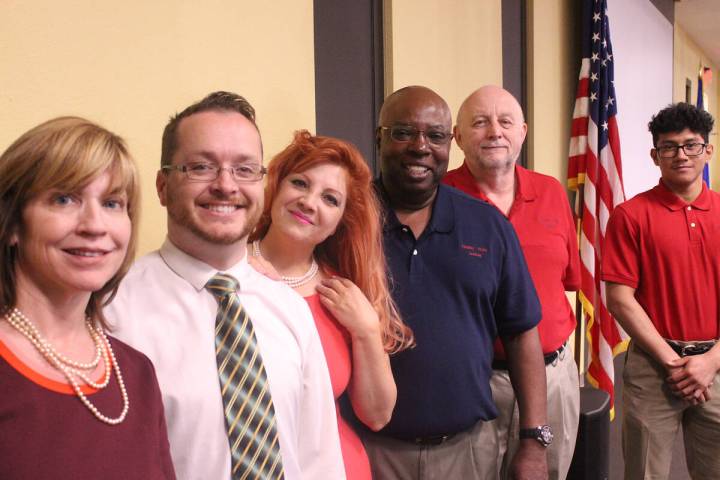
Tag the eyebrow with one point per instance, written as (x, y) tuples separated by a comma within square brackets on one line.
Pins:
[(684, 141), (211, 156), (407, 124), (337, 192), (499, 115), (117, 190)]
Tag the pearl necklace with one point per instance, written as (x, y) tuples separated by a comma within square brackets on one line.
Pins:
[(70, 368), (293, 282), (17, 316)]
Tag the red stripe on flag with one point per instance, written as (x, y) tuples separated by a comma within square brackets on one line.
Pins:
[(583, 89), (600, 189), (579, 127)]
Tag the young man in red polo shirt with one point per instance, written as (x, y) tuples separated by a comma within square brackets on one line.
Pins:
[(661, 266), (491, 130)]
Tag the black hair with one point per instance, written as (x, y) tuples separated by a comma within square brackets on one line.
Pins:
[(679, 116)]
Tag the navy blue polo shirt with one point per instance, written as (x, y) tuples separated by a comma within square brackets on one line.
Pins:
[(459, 285)]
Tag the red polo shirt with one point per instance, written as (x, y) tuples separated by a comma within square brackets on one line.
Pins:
[(544, 225), (669, 251)]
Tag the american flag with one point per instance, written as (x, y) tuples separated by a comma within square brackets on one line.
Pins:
[(595, 172)]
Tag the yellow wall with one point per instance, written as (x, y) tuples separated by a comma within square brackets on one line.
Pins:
[(552, 80), (464, 51), (687, 59), (453, 47), (130, 65)]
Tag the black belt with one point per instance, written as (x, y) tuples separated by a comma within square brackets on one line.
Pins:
[(499, 364), (686, 349), (431, 439)]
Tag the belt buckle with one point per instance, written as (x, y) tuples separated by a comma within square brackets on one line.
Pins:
[(557, 356), (561, 352), (693, 349)]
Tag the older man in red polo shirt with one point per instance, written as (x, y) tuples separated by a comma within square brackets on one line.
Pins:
[(491, 130), (662, 268)]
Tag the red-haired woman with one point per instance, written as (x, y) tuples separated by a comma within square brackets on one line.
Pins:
[(321, 231)]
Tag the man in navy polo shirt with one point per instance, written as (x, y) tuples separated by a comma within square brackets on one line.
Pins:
[(459, 279)]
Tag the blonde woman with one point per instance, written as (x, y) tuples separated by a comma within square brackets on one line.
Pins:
[(74, 402)]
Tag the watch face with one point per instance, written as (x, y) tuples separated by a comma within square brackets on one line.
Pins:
[(543, 434), (546, 435)]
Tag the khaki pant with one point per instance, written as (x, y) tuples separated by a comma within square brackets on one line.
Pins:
[(563, 404), (652, 416), (470, 455)]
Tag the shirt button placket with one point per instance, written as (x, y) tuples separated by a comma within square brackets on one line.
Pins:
[(414, 260), (693, 229), (415, 265)]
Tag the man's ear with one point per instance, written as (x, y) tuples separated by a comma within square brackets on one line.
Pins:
[(456, 136), (653, 155), (161, 186)]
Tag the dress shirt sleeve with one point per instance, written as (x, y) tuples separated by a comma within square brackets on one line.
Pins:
[(318, 440), (163, 443)]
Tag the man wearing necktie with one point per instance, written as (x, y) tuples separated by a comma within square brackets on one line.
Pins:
[(242, 372)]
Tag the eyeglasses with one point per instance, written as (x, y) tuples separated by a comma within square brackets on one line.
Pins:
[(406, 133), (690, 149), (207, 172)]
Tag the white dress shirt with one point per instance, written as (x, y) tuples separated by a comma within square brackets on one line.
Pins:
[(163, 309)]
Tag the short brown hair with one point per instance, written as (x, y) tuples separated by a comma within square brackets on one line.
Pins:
[(216, 101), (65, 153)]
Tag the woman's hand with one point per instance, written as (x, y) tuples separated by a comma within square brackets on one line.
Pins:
[(349, 306), (372, 389)]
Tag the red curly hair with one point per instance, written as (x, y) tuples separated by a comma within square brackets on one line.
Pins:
[(355, 249)]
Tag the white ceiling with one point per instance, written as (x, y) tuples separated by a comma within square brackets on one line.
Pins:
[(701, 20)]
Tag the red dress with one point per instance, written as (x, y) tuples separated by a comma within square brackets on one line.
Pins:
[(336, 345)]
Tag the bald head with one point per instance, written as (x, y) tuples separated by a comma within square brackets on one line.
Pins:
[(409, 98), (490, 94), (413, 162), (490, 130)]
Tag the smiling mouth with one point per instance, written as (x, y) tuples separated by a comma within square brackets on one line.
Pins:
[(85, 253), (225, 209), (494, 147), (417, 170), (302, 218)]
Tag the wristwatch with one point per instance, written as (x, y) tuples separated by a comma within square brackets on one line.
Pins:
[(542, 433)]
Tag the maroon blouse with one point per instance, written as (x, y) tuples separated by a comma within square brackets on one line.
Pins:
[(46, 432)]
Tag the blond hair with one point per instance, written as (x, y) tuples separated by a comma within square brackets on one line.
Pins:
[(65, 153)]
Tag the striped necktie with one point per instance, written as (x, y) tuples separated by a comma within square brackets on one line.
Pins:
[(249, 412)]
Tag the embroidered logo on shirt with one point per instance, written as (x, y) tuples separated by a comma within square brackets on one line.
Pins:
[(474, 251), (550, 223)]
